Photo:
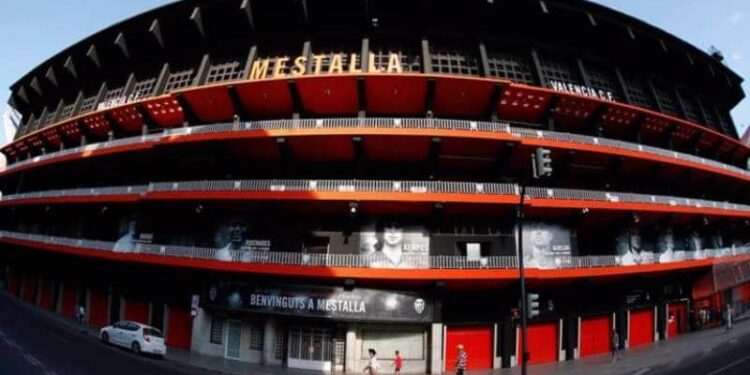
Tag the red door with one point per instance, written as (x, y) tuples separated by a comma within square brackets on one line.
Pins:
[(676, 319), (29, 287), (477, 341), (13, 282), (45, 297), (542, 343), (69, 300), (98, 310), (136, 311), (596, 335), (641, 327), (179, 328)]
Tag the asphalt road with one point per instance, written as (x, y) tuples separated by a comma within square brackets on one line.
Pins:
[(31, 343), (732, 358)]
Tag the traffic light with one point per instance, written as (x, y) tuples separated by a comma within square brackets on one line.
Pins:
[(532, 305), (542, 163)]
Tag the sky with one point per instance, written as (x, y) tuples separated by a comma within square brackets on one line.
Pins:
[(34, 30)]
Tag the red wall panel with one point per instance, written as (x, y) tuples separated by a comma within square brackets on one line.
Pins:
[(136, 311), (542, 342), (641, 327), (45, 296), (477, 341), (14, 282), (29, 287), (676, 319), (98, 310), (69, 298), (596, 335), (179, 328)]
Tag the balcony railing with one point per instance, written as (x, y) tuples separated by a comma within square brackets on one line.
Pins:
[(355, 186), (376, 260), (390, 123)]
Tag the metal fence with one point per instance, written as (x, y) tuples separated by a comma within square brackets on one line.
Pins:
[(407, 123), (376, 260)]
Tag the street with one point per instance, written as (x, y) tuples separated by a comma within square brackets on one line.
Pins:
[(732, 358), (33, 344)]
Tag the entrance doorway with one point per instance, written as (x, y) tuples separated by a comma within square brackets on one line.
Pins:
[(310, 348), (234, 339)]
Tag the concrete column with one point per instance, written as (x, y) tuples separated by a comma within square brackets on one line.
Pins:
[(269, 343), (350, 347), (436, 348)]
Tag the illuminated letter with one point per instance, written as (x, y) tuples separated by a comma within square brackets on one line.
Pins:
[(259, 69), (353, 66), (300, 66), (318, 62), (394, 63), (371, 64), (279, 67), (336, 65)]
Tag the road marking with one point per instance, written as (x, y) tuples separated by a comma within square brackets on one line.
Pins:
[(642, 371), (30, 358), (727, 367), (11, 343)]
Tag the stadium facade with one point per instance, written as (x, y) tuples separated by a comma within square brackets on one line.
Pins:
[(292, 182)]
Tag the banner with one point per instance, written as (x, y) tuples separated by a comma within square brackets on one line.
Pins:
[(391, 245), (546, 245), (234, 243), (130, 235), (326, 302)]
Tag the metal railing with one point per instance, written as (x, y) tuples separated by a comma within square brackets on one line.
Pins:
[(376, 260), (614, 197), (406, 123)]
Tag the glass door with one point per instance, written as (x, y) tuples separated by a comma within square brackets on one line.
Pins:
[(234, 339), (310, 348)]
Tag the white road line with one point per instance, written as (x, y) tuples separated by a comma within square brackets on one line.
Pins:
[(30, 358), (642, 371), (11, 343), (727, 367)]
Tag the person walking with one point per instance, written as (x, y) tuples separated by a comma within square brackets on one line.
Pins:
[(398, 362), (80, 313), (728, 320), (615, 346), (372, 364), (462, 360)]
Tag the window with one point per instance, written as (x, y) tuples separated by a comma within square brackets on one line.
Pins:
[(455, 62), (635, 86), (690, 104), (178, 80), (256, 336), (230, 71), (410, 60), (667, 100), (603, 78), (558, 69), (510, 66), (217, 330), (280, 347)]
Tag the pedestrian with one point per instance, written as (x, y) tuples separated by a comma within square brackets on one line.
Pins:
[(80, 313), (462, 360), (615, 346), (398, 362), (728, 320), (372, 364)]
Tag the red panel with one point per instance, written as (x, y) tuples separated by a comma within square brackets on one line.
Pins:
[(179, 327), (477, 341), (128, 118), (71, 131), (29, 287), (52, 137), (69, 300), (542, 343), (98, 310), (329, 95), (571, 110), (165, 111), (397, 148), (459, 97), (266, 99), (45, 297), (322, 148), (521, 103), (136, 311), (641, 327), (618, 116), (397, 94), (210, 104), (35, 142), (97, 124), (596, 333), (14, 281), (677, 319)]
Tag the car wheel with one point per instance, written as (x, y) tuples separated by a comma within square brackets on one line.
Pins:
[(136, 347), (105, 338)]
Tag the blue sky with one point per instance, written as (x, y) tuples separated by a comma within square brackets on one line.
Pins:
[(34, 30)]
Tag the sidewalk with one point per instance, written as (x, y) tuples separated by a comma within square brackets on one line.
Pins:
[(662, 353)]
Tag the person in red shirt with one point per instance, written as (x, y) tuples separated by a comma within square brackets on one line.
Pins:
[(398, 362)]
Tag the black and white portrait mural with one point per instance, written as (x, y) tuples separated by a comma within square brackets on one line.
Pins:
[(392, 245), (129, 234), (234, 241), (546, 245)]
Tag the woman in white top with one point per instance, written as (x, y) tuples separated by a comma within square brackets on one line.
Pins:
[(372, 364)]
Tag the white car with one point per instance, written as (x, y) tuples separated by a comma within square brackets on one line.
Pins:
[(137, 337)]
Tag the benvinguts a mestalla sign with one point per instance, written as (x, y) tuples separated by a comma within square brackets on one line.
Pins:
[(326, 302)]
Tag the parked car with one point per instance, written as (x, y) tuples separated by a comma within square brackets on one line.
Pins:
[(137, 337)]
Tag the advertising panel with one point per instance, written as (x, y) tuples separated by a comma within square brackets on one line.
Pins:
[(235, 242), (323, 302), (546, 245), (391, 245)]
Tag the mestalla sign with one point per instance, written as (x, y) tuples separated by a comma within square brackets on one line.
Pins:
[(325, 302)]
